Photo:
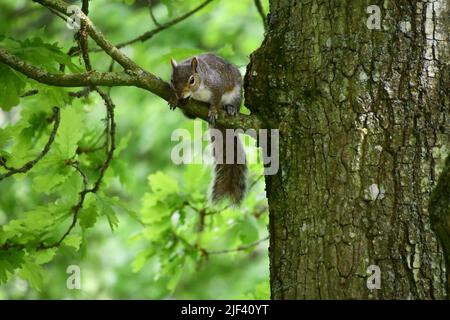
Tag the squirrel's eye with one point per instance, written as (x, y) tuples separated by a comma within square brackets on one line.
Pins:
[(191, 80)]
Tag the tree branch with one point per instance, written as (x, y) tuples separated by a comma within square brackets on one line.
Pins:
[(83, 38), (111, 131), (141, 80), (67, 80), (134, 76)]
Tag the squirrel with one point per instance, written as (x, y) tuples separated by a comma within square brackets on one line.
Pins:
[(211, 79)]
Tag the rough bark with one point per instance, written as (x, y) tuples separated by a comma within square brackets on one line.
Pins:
[(364, 127)]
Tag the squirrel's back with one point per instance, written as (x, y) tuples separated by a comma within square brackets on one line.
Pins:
[(216, 71)]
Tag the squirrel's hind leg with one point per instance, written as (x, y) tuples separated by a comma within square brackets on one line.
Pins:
[(232, 107)]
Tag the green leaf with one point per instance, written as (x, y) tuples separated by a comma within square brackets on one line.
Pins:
[(226, 51), (174, 279), (37, 52), (262, 291), (122, 144), (5, 137), (171, 7), (112, 220), (10, 260), (162, 184), (118, 204), (51, 96), (107, 209), (88, 217), (38, 219), (11, 87), (46, 181), (70, 187), (73, 240), (174, 268), (33, 273), (44, 256), (46, 56), (70, 132), (249, 230), (140, 260), (196, 179)]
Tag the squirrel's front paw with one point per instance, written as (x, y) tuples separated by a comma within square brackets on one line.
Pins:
[(212, 116), (230, 109), (172, 103)]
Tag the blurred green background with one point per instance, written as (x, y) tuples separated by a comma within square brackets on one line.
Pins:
[(137, 260)]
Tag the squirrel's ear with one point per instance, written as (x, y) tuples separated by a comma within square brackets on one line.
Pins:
[(173, 63), (194, 64)]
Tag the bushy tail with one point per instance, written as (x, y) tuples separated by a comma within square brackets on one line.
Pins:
[(229, 178)]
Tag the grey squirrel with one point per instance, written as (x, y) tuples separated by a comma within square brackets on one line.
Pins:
[(211, 79)]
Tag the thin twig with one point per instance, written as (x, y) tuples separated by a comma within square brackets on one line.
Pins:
[(81, 150), (149, 34), (79, 205), (81, 94), (240, 248), (83, 37), (111, 136), (30, 164), (110, 129), (152, 16), (31, 92), (85, 7), (55, 12), (75, 209), (260, 9)]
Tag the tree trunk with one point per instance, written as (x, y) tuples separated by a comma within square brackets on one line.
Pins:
[(363, 116)]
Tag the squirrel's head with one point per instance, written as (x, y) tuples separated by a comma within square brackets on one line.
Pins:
[(185, 79)]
